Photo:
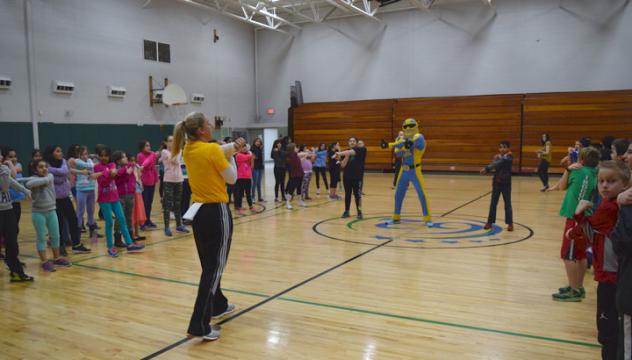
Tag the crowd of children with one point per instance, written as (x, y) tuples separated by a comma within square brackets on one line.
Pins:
[(597, 206), (64, 189)]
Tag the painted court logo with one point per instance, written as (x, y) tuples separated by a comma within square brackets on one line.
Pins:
[(449, 232)]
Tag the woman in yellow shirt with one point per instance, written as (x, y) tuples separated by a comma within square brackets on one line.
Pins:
[(209, 171), (545, 156)]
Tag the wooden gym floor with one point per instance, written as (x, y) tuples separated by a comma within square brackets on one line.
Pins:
[(309, 285)]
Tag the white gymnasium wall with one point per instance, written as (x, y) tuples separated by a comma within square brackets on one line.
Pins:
[(531, 46), (97, 43)]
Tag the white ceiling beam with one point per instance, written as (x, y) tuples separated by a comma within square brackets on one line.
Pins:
[(314, 12), (328, 14), (291, 9), (367, 12), (259, 9), (223, 10), (338, 5)]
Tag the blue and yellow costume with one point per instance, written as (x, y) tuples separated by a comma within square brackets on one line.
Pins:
[(411, 148)]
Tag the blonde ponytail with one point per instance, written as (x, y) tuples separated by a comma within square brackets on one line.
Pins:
[(179, 138), (186, 130)]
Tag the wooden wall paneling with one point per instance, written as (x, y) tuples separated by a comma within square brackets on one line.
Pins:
[(570, 116), (463, 132), (316, 123)]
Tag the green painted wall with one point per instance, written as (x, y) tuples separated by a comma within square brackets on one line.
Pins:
[(116, 136), (19, 136)]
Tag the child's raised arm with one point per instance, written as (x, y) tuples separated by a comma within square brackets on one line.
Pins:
[(36, 181), (625, 198)]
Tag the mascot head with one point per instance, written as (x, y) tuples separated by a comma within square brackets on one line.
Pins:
[(410, 128)]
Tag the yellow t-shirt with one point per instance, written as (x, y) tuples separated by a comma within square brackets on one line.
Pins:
[(547, 157), (205, 163)]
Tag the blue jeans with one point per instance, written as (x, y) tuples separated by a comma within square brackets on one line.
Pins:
[(85, 202), (257, 175)]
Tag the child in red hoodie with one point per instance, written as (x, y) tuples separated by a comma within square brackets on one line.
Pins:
[(613, 178)]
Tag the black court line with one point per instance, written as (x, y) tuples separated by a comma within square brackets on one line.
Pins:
[(185, 339), (466, 204), (268, 299)]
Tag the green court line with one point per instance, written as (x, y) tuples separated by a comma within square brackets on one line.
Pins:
[(361, 311)]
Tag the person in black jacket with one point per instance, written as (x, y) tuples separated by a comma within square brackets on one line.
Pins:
[(501, 184), (621, 238), (280, 157)]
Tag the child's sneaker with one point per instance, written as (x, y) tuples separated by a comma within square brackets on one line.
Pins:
[(61, 262), (113, 252), (360, 216), (252, 209), (62, 250), (135, 247), (118, 240), (345, 215), (150, 226), (182, 229), (487, 226), (80, 249), (317, 191), (510, 227), (570, 296), (15, 277), (288, 205), (229, 309), (168, 232), (582, 291), (213, 335), (302, 203), (140, 238), (48, 266)]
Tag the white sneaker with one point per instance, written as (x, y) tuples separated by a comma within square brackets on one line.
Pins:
[(288, 205), (229, 309), (317, 191), (213, 335), (302, 203)]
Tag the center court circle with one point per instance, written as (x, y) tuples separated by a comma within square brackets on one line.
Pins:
[(448, 232)]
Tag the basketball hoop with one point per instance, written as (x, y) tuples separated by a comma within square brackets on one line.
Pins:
[(175, 99)]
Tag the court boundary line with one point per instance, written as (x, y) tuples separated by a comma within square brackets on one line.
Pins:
[(356, 310), (268, 299)]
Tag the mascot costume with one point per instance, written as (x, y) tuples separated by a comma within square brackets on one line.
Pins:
[(411, 148)]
